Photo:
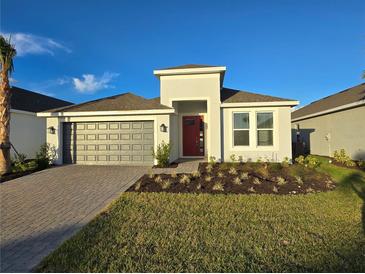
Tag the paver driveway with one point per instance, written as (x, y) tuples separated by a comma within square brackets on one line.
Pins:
[(41, 210)]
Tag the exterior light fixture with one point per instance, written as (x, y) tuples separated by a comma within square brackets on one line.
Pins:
[(51, 130), (163, 128)]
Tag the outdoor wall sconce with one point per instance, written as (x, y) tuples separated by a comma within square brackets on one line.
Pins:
[(163, 128), (51, 130)]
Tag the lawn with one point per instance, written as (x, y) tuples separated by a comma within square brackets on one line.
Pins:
[(165, 232)]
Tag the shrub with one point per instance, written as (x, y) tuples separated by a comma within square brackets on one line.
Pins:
[(256, 181), (209, 168), (311, 161), (45, 156), (252, 189), (232, 171), (244, 175), (20, 158), (162, 154), (285, 162), (195, 174), (137, 186), (281, 181), (166, 184), (220, 174), (208, 178), (343, 158), (233, 158), (275, 189), (198, 186), (158, 179), (299, 180), (212, 160), (300, 160), (173, 174), (361, 164), (185, 179), (237, 181), (218, 186)]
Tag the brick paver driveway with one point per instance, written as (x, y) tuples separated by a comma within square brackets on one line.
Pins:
[(41, 210)]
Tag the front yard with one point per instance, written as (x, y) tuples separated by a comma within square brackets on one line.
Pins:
[(169, 232)]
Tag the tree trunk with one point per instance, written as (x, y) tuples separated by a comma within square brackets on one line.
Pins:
[(4, 122)]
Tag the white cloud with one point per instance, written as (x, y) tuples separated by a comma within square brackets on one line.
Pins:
[(26, 43), (90, 83)]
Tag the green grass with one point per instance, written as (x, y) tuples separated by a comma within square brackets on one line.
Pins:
[(162, 232)]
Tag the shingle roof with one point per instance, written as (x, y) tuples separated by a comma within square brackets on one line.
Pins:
[(347, 96), (22, 99), (124, 101), (189, 66), (239, 96)]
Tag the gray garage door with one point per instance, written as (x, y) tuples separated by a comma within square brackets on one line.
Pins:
[(108, 143)]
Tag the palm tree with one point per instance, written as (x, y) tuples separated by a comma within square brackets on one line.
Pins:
[(7, 53)]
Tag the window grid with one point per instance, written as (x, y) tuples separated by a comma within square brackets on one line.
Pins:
[(271, 129), (241, 129)]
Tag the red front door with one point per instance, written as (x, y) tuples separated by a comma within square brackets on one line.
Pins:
[(193, 136)]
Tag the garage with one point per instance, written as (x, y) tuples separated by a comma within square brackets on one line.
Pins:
[(108, 143)]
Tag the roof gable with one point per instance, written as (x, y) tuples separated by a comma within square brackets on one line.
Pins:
[(347, 96), (239, 96), (26, 100), (121, 102)]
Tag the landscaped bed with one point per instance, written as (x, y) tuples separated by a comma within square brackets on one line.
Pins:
[(247, 178), (167, 232)]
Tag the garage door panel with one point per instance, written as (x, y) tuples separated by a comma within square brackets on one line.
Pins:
[(104, 143)]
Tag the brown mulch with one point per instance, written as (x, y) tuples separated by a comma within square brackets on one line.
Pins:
[(262, 179), (171, 165), (11, 176)]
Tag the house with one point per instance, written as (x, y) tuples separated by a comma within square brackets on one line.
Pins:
[(332, 123), (27, 131), (194, 113)]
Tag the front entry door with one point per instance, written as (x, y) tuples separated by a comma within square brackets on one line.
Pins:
[(193, 136)]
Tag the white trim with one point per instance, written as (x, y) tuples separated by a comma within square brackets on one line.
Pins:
[(22, 112), (343, 107), (105, 113), (259, 104), (161, 72), (241, 129), (258, 129)]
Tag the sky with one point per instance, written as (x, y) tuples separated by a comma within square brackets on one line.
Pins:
[(83, 50)]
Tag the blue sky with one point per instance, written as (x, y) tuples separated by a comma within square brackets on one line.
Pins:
[(82, 50)]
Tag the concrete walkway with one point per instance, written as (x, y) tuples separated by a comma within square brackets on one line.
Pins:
[(41, 210), (186, 165)]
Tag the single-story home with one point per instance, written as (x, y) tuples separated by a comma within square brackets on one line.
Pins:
[(333, 123), (27, 131), (194, 113)]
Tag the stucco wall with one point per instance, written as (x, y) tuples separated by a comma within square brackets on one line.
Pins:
[(56, 139), (200, 87), (27, 132), (282, 135), (345, 130)]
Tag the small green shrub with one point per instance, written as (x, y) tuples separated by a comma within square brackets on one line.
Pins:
[(361, 164), (237, 181), (299, 180), (285, 162), (196, 174), (162, 154), (244, 176), (311, 161), (218, 186), (256, 181), (212, 160), (20, 158), (174, 174), (45, 156), (275, 189), (208, 178), (300, 160), (158, 179), (166, 184), (281, 181), (220, 174), (252, 189), (232, 171), (233, 158), (343, 158), (185, 179), (209, 168), (198, 186)]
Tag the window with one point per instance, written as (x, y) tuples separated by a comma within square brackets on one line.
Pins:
[(265, 128), (241, 129)]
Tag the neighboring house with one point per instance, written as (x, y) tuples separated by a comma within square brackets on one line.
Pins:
[(194, 113), (27, 131), (333, 123)]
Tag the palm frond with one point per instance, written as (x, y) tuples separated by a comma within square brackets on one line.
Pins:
[(7, 54)]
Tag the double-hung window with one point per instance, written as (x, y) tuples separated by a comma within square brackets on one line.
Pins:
[(265, 128), (241, 129)]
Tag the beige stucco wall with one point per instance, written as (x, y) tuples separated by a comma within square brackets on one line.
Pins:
[(282, 135), (27, 132), (56, 122), (345, 130), (199, 87)]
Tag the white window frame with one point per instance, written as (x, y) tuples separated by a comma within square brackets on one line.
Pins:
[(242, 129), (258, 129)]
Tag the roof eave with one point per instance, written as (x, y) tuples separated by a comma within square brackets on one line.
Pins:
[(260, 104), (106, 113), (328, 111), (165, 72)]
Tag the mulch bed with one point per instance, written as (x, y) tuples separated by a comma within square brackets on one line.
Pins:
[(229, 178), (11, 176)]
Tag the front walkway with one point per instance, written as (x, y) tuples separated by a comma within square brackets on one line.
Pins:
[(41, 210), (185, 165)]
